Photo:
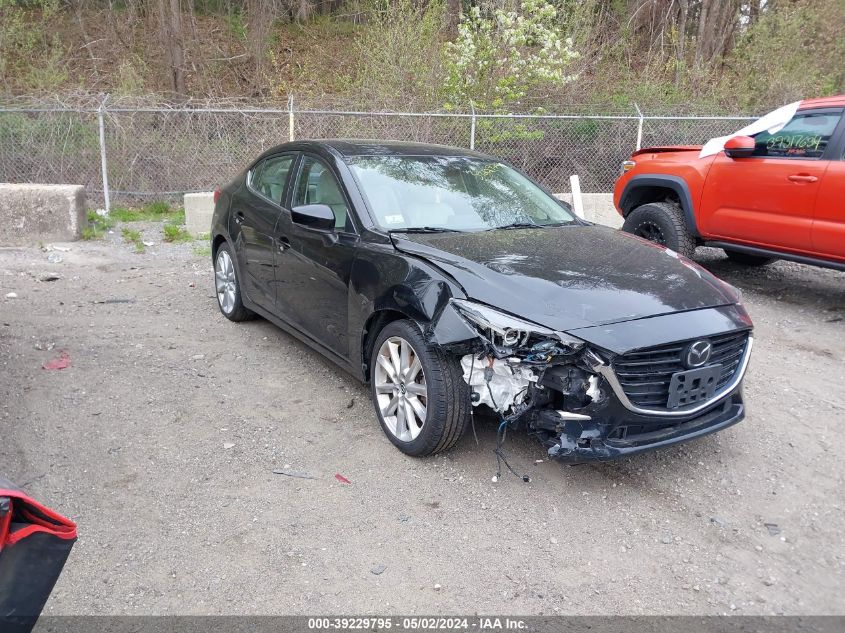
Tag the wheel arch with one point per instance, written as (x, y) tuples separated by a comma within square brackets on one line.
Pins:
[(645, 188), (215, 244), (374, 324), (403, 287)]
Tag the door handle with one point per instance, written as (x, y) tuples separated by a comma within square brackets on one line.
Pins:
[(239, 217), (283, 242), (802, 178)]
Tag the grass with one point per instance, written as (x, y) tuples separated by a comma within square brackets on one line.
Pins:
[(97, 226), (202, 248), (174, 223), (131, 236), (175, 233), (174, 229), (151, 212)]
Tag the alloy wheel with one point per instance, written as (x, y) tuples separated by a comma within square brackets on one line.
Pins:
[(224, 280), (400, 387), (651, 232)]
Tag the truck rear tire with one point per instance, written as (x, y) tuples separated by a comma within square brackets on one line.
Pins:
[(663, 223)]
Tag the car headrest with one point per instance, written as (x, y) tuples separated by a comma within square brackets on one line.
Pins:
[(328, 191)]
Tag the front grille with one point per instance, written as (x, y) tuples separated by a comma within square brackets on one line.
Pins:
[(645, 374)]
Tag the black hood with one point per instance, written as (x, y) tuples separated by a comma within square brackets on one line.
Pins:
[(569, 277)]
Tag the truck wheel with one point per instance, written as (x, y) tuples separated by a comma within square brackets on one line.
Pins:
[(663, 223), (748, 260)]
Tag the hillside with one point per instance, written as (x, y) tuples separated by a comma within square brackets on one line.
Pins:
[(689, 55)]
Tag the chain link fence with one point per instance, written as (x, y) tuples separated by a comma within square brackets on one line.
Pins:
[(127, 153)]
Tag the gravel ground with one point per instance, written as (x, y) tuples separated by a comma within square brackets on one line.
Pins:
[(161, 439)]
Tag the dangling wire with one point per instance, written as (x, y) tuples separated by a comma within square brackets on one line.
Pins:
[(501, 434), (471, 404)]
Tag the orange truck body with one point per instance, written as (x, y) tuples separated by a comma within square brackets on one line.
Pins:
[(786, 201)]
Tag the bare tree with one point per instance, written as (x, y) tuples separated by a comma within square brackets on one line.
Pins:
[(260, 14), (303, 11), (701, 42), (452, 17), (680, 45), (170, 25), (718, 22)]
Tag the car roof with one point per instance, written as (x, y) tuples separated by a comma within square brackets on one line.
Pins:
[(373, 147), (823, 102)]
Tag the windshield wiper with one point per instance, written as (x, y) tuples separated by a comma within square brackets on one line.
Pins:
[(424, 229), (531, 225), (562, 223), (518, 225)]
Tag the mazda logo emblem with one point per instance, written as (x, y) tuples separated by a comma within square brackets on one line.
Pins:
[(698, 354)]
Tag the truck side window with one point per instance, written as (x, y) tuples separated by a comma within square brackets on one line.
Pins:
[(805, 136)]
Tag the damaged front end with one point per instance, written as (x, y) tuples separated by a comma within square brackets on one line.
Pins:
[(559, 389), (533, 377)]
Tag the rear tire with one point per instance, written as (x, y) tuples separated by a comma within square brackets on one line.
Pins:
[(414, 378), (227, 286), (662, 223), (747, 259)]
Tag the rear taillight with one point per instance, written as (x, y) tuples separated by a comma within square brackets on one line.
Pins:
[(628, 165), (216, 195)]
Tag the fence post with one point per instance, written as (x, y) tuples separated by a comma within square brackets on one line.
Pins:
[(639, 128), (104, 166), (577, 199), (290, 118), (472, 126)]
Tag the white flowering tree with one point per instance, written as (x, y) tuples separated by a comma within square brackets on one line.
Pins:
[(500, 55)]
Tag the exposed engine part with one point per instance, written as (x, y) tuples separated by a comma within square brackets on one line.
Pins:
[(593, 392), (577, 386), (500, 384), (568, 415), (542, 385)]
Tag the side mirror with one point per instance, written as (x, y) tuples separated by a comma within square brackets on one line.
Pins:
[(319, 217), (739, 147)]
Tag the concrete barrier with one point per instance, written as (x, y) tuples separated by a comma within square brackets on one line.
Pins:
[(41, 213), (199, 207), (598, 208)]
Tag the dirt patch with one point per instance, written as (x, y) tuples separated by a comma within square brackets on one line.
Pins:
[(162, 436)]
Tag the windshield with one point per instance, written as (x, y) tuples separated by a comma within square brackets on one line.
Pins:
[(458, 194)]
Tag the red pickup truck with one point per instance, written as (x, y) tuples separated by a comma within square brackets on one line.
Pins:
[(777, 195)]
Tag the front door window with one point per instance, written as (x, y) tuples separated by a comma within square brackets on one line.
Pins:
[(318, 185), (805, 136)]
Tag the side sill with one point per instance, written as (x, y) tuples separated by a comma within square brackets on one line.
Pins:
[(765, 252)]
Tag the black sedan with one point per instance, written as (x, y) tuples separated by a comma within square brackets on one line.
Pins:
[(448, 280)]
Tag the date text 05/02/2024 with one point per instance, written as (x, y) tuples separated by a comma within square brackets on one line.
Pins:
[(375, 623)]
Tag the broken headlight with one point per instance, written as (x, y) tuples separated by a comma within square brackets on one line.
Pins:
[(504, 330)]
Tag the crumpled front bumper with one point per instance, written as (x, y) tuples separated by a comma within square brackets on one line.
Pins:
[(616, 432), (575, 403)]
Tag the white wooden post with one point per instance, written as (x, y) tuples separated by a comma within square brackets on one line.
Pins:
[(104, 166), (577, 201), (639, 128), (472, 127), (290, 118)]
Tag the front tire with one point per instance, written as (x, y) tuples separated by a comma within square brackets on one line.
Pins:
[(747, 259), (419, 394), (227, 286), (663, 223)]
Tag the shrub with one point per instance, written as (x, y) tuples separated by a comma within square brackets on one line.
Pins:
[(500, 55)]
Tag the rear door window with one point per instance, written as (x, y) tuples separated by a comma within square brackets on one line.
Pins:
[(805, 136), (269, 177)]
